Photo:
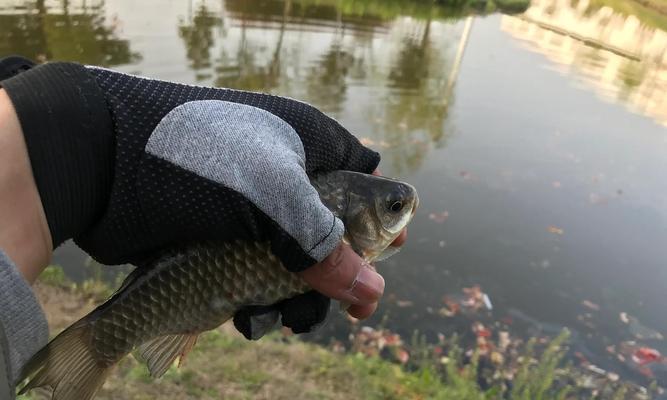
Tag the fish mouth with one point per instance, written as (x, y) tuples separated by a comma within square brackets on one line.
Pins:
[(414, 206)]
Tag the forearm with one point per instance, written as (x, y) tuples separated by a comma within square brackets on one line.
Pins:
[(24, 233), (25, 238)]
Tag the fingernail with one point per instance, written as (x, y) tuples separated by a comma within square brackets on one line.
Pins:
[(368, 286)]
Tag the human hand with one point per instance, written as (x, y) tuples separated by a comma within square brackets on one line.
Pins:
[(144, 165), (343, 276)]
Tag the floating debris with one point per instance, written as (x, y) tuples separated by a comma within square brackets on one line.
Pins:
[(501, 356), (624, 317), (639, 330), (379, 342), (556, 230), (465, 175), (439, 217), (472, 301), (590, 305), (596, 199), (366, 141), (487, 301), (646, 355), (404, 303)]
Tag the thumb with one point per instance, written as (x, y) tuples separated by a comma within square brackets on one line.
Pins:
[(345, 276)]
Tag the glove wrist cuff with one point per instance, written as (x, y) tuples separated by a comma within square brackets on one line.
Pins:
[(69, 136)]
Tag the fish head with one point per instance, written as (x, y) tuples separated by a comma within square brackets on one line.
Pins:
[(374, 209)]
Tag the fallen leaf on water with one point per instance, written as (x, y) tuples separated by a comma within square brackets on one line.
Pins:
[(465, 175), (402, 356), (367, 141), (646, 355), (439, 217), (446, 312), (556, 230), (404, 303), (591, 305)]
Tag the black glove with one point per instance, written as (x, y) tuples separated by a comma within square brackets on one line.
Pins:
[(128, 166), (301, 314)]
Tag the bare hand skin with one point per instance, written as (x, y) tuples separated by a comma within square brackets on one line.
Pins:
[(24, 232), (344, 276)]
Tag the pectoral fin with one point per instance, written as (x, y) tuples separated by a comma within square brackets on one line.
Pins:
[(388, 252), (160, 353)]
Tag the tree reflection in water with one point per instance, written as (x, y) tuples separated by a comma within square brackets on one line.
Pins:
[(69, 32), (408, 74), (197, 35)]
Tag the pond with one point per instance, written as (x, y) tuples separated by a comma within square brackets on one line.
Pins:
[(537, 141)]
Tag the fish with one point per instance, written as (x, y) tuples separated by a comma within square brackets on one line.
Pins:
[(161, 308)]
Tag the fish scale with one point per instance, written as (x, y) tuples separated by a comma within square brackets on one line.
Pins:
[(214, 281), (162, 307)]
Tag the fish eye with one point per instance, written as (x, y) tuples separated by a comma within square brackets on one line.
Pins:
[(396, 206)]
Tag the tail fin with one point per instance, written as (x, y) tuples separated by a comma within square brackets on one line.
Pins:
[(67, 366)]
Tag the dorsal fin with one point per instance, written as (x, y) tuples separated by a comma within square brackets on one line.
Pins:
[(161, 352)]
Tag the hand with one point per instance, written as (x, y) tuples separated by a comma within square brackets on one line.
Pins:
[(338, 277), (144, 165), (343, 276)]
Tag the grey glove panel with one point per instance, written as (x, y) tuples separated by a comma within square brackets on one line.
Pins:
[(257, 155), (21, 316)]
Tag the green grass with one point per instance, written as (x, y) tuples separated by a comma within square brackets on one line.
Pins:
[(224, 365), (422, 9), (54, 275), (652, 13)]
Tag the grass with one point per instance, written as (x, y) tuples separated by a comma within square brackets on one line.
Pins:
[(422, 9), (652, 13), (224, 365)]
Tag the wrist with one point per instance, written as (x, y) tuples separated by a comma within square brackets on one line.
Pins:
[(24, 232), (67, 133)]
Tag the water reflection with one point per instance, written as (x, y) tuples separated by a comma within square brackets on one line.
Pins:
[(321, 51), (198, 37), (617, 55), (72, 30)]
